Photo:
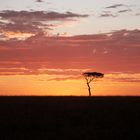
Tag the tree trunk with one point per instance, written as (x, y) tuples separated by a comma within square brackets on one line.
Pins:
[(89, 89)]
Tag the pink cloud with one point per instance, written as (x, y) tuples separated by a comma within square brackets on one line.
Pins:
[(115, 51)]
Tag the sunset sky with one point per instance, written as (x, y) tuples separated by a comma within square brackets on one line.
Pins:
[(46, 45)]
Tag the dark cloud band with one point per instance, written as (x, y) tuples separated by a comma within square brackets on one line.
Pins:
[(32, 21)]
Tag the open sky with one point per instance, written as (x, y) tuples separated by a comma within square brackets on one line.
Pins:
[(46, 45)]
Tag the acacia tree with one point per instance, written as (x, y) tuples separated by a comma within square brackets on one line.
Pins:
[(90, 76)]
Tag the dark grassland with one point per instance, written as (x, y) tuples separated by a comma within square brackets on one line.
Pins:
[(71, 118)]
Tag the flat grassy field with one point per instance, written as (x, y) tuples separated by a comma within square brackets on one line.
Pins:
[(31, 117)]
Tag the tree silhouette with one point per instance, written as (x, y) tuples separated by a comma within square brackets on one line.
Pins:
[(90, 76)]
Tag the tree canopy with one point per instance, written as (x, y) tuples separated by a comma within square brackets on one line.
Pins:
[(93, 74)]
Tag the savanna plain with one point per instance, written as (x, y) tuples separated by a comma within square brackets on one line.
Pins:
[(69, 117)]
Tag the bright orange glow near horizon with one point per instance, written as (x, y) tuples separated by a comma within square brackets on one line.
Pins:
[(45, 52), (39, 86)]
